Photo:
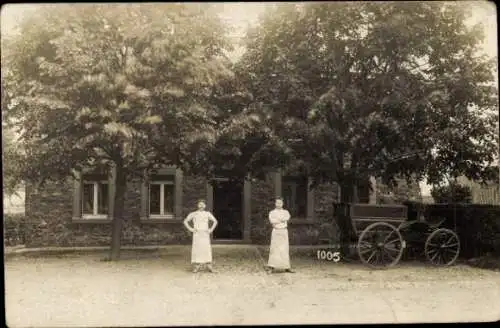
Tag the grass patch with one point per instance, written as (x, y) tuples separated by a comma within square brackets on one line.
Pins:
[(488, 261)]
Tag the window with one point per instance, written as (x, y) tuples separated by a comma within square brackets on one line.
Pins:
[(295, 195), (95, 199), (161, 197)]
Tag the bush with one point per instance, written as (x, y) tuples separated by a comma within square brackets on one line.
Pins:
[(452, 193), (15, 229), (477, 225)]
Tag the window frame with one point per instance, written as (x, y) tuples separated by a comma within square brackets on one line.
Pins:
[(95, 200), (291, 181), (162, 184), (295, 186), (173, 174)]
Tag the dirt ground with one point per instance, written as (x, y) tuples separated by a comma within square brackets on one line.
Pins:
[(155, 288)]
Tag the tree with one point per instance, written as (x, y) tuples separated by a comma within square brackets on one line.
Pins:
[(452, 193), (11, 156), (122, 86), (244, 145), (394, 89)]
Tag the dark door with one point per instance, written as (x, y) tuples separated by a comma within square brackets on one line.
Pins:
[(228, 203)]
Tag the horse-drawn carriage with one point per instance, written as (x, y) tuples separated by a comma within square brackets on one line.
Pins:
[(382, 233)]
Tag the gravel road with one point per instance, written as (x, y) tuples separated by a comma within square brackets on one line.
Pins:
[(156, 289)]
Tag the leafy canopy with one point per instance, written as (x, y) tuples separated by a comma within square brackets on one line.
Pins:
[(393, 89), (11, 155), (132, 85), (452, 193)]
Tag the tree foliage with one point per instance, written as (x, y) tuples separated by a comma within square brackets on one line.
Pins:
[(133, 86), (452, 193), (123, 84), (11, 155), (392, 89)]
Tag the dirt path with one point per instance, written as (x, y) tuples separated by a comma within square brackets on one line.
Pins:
[(156, 289)]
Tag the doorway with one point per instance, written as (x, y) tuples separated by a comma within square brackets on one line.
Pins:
[(228, 209)]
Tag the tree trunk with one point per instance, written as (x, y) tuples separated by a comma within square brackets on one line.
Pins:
[(118, 209), (348, 191), (348, 194)]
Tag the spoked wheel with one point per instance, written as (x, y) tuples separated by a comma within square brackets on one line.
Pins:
[(442, 247), (380, 245)]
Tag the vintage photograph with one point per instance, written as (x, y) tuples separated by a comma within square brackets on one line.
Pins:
[(250, 163)]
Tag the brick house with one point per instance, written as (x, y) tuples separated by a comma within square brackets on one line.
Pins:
[(78, 212)]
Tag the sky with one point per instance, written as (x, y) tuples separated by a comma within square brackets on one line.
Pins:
[(239, 15)]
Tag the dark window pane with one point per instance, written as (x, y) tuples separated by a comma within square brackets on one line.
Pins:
[(295, 195), (168, 199), (154, 199), (90, 177), (103, 197), (364, 194), (88, 199), (163, 177), (289, 197), (301, 193)]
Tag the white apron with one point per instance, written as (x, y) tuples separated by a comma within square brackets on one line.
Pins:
[(201, 250), (279, 256)]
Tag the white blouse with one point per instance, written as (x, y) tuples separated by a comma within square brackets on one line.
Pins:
[(279, 218), (200, 220)]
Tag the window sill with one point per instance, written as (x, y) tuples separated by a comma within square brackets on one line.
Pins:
[(301, 221), (160, 219), (92, 220)]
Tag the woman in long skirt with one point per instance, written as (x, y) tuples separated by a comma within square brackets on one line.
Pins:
[(279, 256), (201, 250)]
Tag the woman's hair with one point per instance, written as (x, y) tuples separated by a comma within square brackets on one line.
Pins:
[(279, 198), (201, 201)]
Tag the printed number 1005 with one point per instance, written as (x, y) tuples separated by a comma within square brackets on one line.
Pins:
[(328, 255)]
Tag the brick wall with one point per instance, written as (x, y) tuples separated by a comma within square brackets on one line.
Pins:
[(300, 232), (193, 189), (52, 205), (324, 197), (49, 204), (262, 202)]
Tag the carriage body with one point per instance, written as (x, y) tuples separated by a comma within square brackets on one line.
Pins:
[(382, 233), (428, 239)]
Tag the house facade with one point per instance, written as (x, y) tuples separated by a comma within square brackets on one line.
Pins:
[(78, 212)]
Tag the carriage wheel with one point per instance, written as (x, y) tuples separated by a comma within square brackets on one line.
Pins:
[(442, 247), (380, 245)]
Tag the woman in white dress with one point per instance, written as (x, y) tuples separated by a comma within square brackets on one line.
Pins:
[(279, 256), (201, 251)]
